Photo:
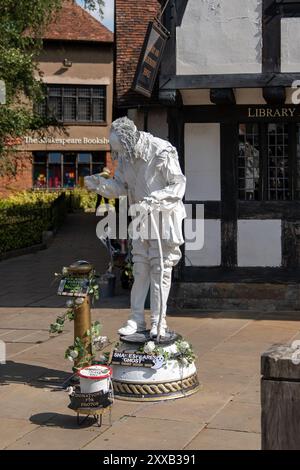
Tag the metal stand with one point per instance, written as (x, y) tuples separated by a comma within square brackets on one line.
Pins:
[(96, 414)]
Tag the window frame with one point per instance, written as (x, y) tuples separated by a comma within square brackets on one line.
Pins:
[(45, 108), (293, 128)]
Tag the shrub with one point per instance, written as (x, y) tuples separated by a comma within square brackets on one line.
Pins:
[(25, 216)]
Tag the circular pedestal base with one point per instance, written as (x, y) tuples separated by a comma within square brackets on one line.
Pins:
[(156, 391), (171, 379)]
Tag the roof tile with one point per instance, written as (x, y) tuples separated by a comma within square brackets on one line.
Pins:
[(73, 23)]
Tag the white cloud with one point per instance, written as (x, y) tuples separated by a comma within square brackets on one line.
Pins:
[(108, 19)]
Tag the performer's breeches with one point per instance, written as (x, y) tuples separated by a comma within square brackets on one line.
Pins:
[(147, 272), (155, 298), (139, 291)]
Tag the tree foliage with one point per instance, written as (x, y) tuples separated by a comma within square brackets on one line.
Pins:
[(18, 68)]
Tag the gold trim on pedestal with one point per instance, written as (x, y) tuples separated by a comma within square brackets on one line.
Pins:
[(156, 391)]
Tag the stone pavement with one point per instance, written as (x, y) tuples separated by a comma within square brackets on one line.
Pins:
[(225, 414)]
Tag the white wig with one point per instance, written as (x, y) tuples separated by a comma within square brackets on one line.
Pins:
[(128, 134)]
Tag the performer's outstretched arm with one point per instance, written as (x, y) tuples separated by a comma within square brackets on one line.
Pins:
[(109, 188)]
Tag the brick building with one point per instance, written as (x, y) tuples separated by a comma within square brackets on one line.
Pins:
[(76, 66), (131, 22)]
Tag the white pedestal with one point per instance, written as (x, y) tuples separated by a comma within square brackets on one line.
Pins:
[(139, 383)]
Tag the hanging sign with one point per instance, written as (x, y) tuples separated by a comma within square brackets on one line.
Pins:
[(150, 59)]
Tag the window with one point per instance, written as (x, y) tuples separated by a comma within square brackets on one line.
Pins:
[(74, 103), (268, 165), (248, 162), (298, 163), (55, 170)]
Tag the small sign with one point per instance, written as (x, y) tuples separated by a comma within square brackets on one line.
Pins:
[(137, 360), (150, 59), (89, 400), (74, 287)]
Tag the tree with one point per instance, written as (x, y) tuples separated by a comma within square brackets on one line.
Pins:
[(18, 68)]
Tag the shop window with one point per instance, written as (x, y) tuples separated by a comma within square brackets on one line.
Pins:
[(84, 167), (55, 170), (69, 170), (98, 162), (40, 170), (266, 160), (74, 103)]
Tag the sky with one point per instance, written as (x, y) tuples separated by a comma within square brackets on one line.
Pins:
[(108, 19)]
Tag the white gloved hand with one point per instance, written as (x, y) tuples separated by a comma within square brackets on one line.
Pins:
[(89, 183)]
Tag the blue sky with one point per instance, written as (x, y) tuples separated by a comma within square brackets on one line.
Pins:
[(108, 20)]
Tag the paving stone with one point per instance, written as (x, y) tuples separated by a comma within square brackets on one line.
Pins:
[(12, 429), (145, 433), (219, 439), (238, 416), (199, 408), (53, 438)]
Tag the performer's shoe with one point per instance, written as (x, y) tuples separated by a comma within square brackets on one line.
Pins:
[(131, 328), (154, 331)]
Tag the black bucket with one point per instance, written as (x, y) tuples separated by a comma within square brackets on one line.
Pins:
[(107, 284)]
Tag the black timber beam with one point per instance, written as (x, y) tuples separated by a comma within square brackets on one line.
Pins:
[(243, 80)]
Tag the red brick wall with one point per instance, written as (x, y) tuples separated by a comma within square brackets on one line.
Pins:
[(132, 18), (110, 163), (23, 178)]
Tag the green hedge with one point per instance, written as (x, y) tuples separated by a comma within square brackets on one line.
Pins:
[(81, 199), (22, 223)]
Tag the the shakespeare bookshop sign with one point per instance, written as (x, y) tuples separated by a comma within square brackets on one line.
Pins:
[(27, 140)]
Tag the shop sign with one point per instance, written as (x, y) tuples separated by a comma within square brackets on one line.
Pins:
[(27, 140), (150, 59)]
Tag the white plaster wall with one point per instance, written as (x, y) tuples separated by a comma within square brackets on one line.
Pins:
[(202, 162), (259, 243), (157, 123), (196, 97), (290, 49), (220, 36), (210, 255), (249, 96)]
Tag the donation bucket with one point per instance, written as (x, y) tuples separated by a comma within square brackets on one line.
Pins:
[(95, 378)]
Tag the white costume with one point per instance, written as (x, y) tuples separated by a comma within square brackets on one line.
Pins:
[(148, 170)]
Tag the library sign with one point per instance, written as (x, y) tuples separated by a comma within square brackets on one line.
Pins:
[(282, 112), (150, 59)]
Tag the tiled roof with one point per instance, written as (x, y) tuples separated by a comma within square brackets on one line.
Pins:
[(73, 23)]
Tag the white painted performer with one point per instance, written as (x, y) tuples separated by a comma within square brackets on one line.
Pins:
[(149, 174)]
